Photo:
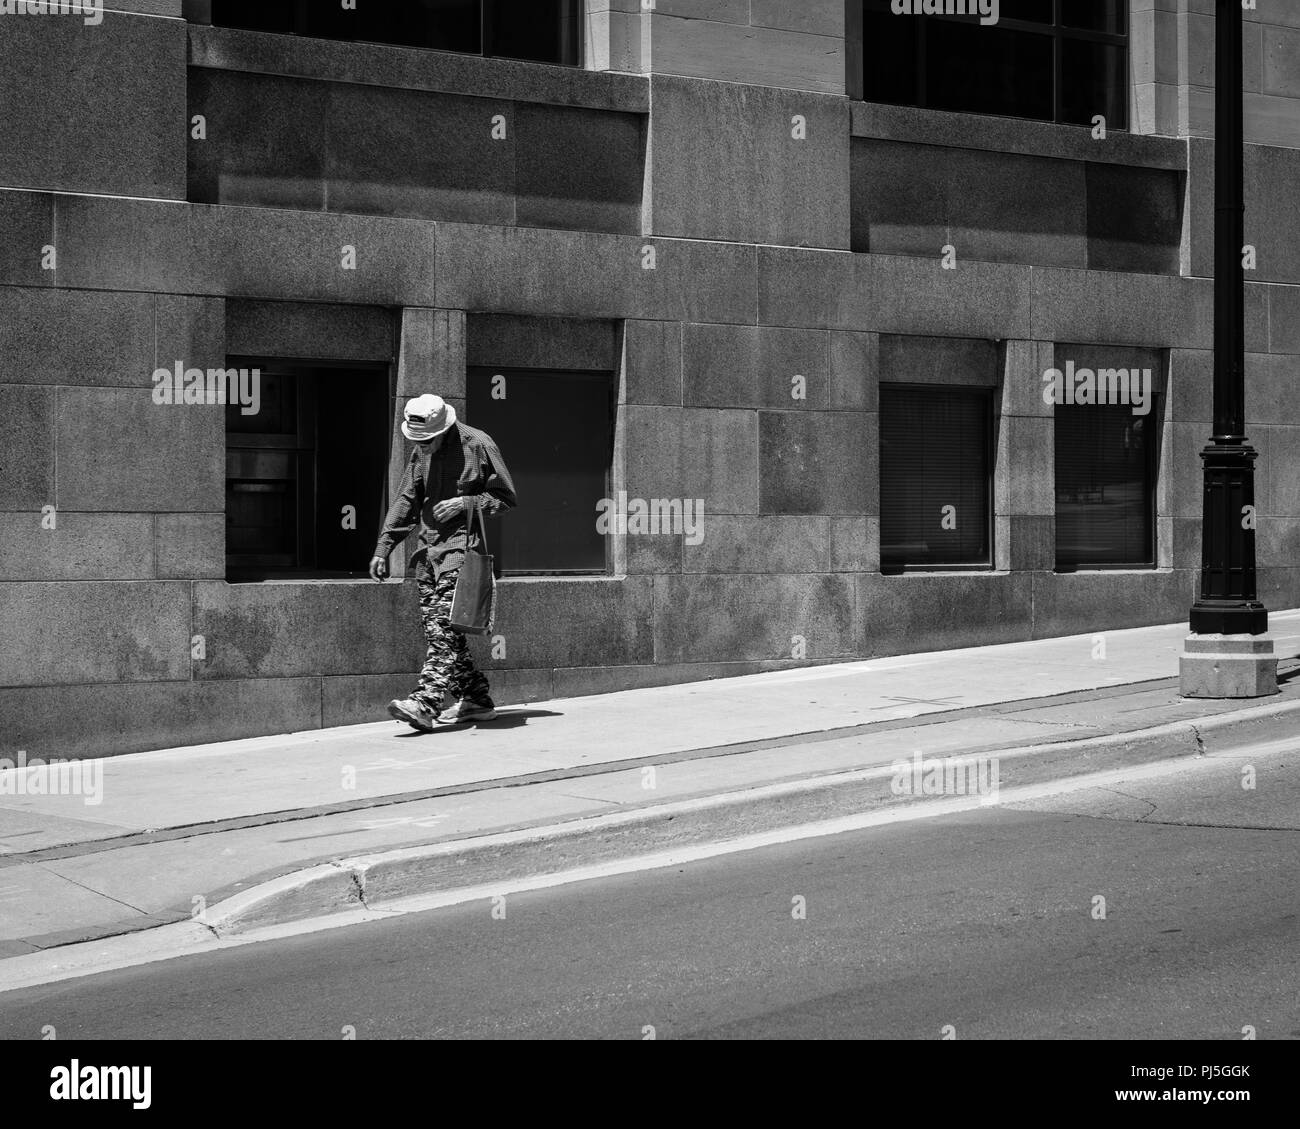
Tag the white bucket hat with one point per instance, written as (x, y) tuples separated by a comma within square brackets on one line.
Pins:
[(427, 417)]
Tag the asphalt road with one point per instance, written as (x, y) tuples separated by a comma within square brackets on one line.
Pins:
[(985, 924)]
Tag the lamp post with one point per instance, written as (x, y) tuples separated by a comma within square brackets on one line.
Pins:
[(1227, 655)]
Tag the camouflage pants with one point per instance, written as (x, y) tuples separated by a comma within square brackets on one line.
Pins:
[(448, 666)]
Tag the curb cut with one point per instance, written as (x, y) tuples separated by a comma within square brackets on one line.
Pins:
[(368, 882)]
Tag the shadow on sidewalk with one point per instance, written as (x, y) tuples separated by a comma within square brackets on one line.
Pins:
[(505, 719)]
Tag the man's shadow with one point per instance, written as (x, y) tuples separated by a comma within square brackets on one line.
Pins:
[(505, 719)]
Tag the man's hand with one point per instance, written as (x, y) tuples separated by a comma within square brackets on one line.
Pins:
[(445, 511), (379, 568)]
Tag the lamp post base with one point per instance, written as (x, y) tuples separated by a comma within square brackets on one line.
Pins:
[(1227, 666)]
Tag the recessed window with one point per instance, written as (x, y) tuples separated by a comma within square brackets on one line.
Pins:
[(1105, 487), (1050, 60), (935, 477), (306, 473), (545, 31), (556, 434)]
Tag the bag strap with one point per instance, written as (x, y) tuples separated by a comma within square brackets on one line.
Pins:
[(478, 513)]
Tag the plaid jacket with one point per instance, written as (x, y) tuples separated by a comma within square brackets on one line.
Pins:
[(467, 464)]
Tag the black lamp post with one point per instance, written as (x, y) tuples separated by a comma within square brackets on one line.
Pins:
[(1228, 602)]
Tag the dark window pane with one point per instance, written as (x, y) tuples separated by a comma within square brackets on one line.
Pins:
[(955, 63), (255, 15), (556, 433), (988, 70), (889, 56), (1096, 15), (934, 453), (1093, 81), (544, 31), (317, 450), (1034, 11), (1104, 486)]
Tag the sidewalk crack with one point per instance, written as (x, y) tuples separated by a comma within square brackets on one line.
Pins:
[(92, 890), (1139, 799)]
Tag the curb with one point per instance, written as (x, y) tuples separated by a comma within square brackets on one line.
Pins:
[(368, 882)]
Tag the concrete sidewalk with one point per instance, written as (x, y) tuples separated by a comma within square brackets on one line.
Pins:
[(188, 828)]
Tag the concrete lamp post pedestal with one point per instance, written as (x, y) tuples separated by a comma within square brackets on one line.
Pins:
[(1228, 654), (1227, 666)]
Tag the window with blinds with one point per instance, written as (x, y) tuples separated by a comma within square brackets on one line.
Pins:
[(1105, 487), (935, 477)]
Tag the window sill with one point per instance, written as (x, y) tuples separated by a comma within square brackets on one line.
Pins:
[(414, 68), (1015, 135)]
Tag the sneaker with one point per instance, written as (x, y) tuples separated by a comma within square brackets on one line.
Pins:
[(415, 714), (465, 710)]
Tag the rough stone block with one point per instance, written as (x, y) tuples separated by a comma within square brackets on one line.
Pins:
[(79, 547), (107, 720), (541, 343), (535, 271), (178, 452), (1015, 209), (1024, 543), (266, 140), (28, 220), (1023, 366), (64, 633), (756, 366), (732, 52), (652, 352), (190, 330), (1272, 388), (706, 454), (124, 137), (295, 629), (190, 546), (818, 463), (50, 336), (309, 329), (779, 189), (1191, 387), (26, 448), (785, 544), (1281, 488), (855, 371), (1116, 308), (655, 552), (911, 359), (1134, 219), (576, 622), (918, 612), (578, 169), (1283, 318), (1075, 602), (431, 355), (712, 618), (899, 198)]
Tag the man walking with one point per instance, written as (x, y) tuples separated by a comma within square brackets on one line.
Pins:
[(453, 470)]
